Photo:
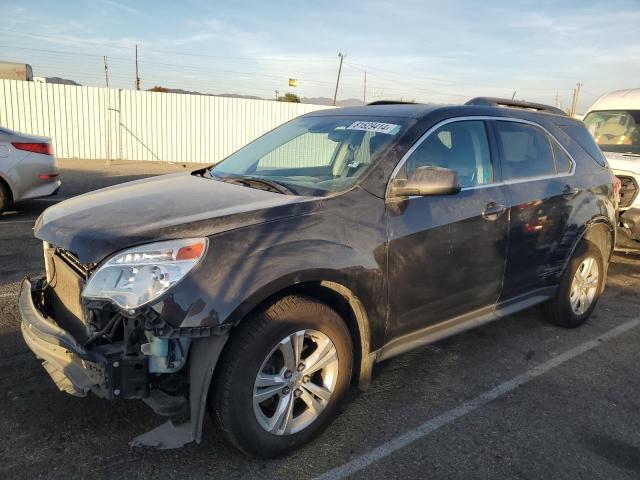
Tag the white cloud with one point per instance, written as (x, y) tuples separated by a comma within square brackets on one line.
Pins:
[(119, 6)]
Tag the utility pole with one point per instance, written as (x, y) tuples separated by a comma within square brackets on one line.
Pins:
[(335, 95), (106, 71), (364, 96), (514, 95), (574, 101), (107, 111), (137, 77), (575, 105), (277, 94)]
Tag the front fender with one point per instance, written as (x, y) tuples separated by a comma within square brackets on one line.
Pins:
[(246, 266)]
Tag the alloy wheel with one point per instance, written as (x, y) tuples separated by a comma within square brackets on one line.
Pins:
[(584, 286), (295, 382)]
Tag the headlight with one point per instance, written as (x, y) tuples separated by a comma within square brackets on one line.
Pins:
[(134, 277)]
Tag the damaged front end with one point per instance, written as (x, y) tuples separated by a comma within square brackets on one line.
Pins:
[(125, 351)]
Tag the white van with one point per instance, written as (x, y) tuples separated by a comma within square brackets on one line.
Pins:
[(614, 122)]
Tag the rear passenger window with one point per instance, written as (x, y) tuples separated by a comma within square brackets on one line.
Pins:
[(526, 151), (563, 161), (461, 146)]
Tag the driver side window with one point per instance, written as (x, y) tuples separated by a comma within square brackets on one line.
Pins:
[(461, 146)]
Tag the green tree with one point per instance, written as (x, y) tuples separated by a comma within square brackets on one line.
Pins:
[(157, 88), (289, 97)]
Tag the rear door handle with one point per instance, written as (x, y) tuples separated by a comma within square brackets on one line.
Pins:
[(569, 191), (493, 210)]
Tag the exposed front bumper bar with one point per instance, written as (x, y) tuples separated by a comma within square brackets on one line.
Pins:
[(72, 368), (631, 220), (629, 230)]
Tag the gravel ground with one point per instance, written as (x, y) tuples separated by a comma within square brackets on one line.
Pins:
[(576, 419)]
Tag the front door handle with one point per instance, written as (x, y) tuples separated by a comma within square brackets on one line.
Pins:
[(493, 210)]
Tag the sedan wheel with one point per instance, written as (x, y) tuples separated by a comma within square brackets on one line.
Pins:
[(3, 198)]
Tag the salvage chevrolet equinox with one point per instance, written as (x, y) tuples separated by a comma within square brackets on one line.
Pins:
[(260, 288)]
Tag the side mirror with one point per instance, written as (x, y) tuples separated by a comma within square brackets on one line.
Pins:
[(425, 181)]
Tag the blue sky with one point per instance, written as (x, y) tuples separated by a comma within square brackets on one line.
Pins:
[(445, 51)]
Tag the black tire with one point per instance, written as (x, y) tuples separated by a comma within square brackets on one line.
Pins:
[(231, 396), (4, 198), (558, 310)]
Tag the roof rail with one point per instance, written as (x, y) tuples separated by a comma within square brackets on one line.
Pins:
[(390, 102), (506, 102)]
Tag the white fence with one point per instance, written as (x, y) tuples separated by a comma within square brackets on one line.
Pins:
[(101, 123)]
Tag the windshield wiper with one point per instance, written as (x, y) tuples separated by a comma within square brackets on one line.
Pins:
[(252, 182)]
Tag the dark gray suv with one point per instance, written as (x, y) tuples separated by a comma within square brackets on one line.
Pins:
[(262, 287)]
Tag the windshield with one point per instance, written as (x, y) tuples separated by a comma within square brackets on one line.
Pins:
[(615, 130), (314, 155)]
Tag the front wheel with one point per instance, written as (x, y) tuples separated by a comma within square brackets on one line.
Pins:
[(282, 377), (579, 288)]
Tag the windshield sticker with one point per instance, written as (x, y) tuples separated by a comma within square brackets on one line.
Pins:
[(378, 127)]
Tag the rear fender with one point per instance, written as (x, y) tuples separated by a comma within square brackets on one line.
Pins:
[(602, 234)]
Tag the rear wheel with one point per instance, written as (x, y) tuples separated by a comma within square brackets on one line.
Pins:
[(282, 377), (579, 288)]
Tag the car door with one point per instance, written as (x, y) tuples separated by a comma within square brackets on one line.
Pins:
[(447, 253), (538, 173)]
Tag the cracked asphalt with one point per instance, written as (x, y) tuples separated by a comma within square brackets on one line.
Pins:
[(580, 419)]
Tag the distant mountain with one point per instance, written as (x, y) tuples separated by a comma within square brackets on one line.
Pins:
[(173, 90), (188, 92), (235, 95), (63, 81), (349, 102)]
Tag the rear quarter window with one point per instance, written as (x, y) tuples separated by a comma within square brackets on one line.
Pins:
[(580, 135), (563, 161)]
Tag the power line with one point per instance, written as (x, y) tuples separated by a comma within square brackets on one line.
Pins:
[(252, 74), (404, 87), (179, 66), (168, 52), (436, 79)]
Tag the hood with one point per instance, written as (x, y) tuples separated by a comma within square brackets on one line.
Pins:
[(97, 224), (623, 162)]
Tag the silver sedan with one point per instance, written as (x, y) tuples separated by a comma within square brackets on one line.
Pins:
[(28, 168)]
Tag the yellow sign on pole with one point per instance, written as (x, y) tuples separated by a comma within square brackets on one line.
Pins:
[(293, 82)]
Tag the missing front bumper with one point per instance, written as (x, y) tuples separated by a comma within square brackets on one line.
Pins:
[(105, 370), (110, 373)]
